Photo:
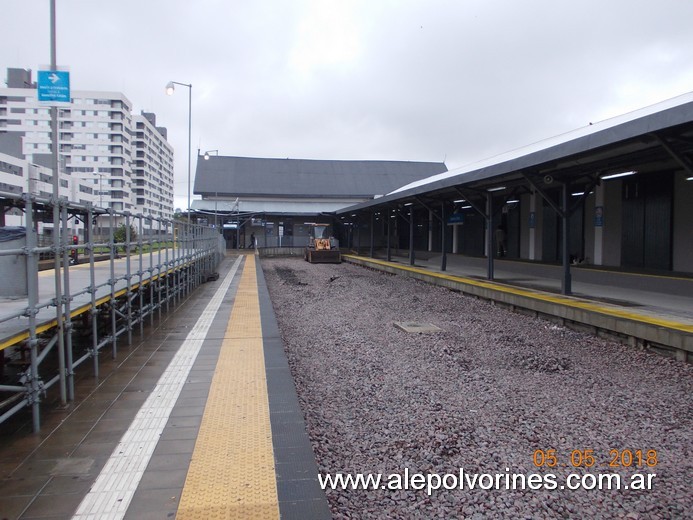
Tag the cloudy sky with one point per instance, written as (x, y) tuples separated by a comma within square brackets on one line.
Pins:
[(419, 80)]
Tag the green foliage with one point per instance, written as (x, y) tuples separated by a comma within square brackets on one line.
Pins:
[(120, 234)]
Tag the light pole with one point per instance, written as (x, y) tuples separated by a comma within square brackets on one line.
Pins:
[(207, 155), (170, 88)]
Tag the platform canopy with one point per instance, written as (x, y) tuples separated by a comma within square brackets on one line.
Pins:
[(652, 139)]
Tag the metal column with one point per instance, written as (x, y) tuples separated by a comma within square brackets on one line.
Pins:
[(412, 255)]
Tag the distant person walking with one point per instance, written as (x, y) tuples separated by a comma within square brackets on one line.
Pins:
[(501, 241), (252, 240)]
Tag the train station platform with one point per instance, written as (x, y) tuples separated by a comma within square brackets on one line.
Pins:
[(646, 310), (198, 419)]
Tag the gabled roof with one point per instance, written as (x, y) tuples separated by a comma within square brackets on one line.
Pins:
[(259, 177)]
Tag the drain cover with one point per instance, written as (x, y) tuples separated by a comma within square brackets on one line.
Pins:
[(415, 326)]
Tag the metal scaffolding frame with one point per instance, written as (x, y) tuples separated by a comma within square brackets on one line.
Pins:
[(147, 274)]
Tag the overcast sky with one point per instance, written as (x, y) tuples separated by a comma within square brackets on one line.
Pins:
[(414, 80)]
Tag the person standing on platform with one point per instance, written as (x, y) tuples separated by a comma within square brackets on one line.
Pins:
[(500, 241)]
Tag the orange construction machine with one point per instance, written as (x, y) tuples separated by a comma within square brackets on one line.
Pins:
[(322, 248)]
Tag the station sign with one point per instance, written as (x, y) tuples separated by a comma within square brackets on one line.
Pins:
[(53, 86), (456, 218)]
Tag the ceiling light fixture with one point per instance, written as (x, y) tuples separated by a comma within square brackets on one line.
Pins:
[(617, 175)]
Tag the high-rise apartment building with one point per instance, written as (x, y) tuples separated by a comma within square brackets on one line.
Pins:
[(125, 159), (152, 175)]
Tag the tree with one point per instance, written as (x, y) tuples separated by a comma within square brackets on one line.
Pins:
[(120, 234)]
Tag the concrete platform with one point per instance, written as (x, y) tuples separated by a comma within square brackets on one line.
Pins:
[(652, 311), (132, 446)]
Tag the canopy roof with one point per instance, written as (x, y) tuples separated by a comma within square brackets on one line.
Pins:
[(655, 138)]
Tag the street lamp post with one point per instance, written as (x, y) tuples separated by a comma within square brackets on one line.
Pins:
[(206, 156), (170, 88)]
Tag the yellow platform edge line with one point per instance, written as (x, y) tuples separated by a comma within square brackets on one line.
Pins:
[(232, 473), (536, 295), (20, 336)]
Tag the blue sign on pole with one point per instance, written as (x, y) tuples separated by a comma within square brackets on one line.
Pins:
[(599, 216), (54, 86), (456, 218)]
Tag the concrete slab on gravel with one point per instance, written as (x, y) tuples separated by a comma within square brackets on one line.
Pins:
[(413, 326)]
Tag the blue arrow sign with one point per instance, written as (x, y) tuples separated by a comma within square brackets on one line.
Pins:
[(54, 86)]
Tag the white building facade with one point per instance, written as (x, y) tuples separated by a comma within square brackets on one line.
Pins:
[(108, 156)]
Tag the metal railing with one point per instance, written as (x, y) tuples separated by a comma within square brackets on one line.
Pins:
[(287, 241), (150, 269)]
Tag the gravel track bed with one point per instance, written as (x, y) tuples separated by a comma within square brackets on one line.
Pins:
[(482, 395)]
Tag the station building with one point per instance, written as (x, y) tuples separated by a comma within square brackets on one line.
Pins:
[(276, 200)]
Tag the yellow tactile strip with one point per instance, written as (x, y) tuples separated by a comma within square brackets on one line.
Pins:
[(232, 474), (567, 301)]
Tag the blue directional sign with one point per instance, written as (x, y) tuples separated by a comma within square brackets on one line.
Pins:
[(54, 86), (456, 218)]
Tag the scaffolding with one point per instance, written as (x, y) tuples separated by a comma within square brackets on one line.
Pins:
[(136, 272)]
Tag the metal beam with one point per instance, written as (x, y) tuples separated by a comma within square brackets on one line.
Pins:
[(588, 188), (473, 204), (543, 194), (684, 162), (429, 208)]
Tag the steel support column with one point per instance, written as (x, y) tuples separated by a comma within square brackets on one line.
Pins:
[(443, 249), (112, 247), (489, 235), (412, 255), (371, 248), (31, 376), (67, 255), (566, 283), (389, 253)]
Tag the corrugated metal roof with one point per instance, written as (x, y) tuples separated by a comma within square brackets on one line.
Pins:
[(249, 176)]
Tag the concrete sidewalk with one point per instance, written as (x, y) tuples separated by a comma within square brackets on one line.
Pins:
[(658, 294), (648, 311)]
